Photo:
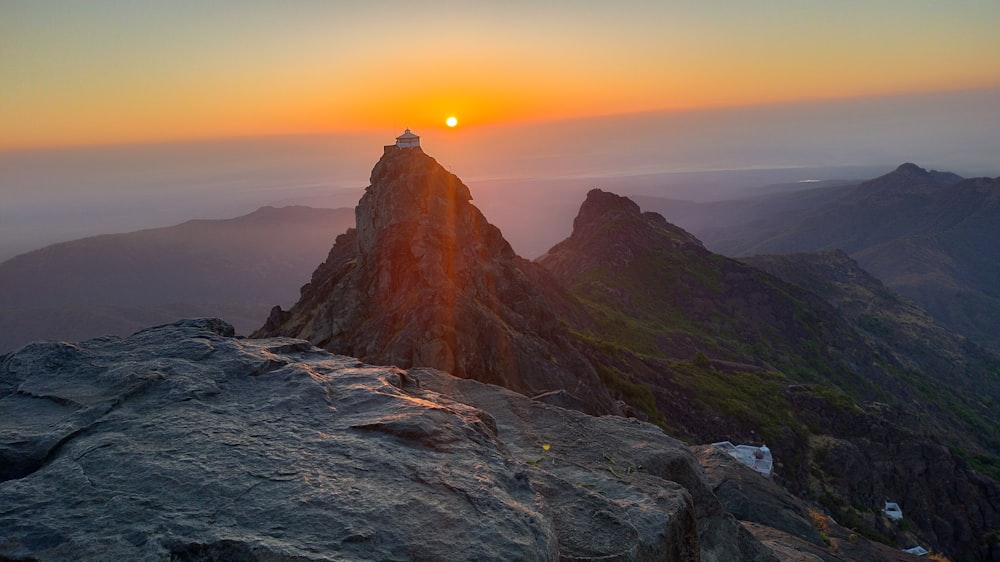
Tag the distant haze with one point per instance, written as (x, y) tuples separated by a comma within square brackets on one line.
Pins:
[(527, 173)]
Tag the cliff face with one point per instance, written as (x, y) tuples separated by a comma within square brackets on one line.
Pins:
[(425, 280)]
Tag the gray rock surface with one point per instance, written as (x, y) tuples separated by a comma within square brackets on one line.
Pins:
[(750, 496), (184, 443)]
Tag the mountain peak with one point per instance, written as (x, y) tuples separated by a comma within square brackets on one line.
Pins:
[(604, 210), (604, 201), (906, 181), (610, 231), (395, 159), (411, 194), (426, 281), (911, 169), (601, 206)]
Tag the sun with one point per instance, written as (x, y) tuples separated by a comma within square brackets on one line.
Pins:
[(451, 121)]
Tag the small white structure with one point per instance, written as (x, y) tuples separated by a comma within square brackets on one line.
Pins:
[(757, 458), (407, 140), (918, 550), (892, 511)]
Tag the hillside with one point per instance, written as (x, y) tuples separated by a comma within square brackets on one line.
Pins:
[(931, 236), (723, 223), (713, 349), (115, 284), (654, 289), (948, 370)]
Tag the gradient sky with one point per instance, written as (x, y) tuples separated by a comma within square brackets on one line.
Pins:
[(101, 71)]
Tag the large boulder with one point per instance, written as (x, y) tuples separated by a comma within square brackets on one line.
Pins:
[(183, 442), (792, 528)]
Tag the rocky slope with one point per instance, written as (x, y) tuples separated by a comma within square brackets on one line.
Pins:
[(425, 280), (796, 531), (184, 443), (653, 288), (957, 374), (714, 349)]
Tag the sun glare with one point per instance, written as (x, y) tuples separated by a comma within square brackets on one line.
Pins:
[(451, 121)]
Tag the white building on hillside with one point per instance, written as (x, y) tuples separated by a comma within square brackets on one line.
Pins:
[(407, 140), (892, 511)]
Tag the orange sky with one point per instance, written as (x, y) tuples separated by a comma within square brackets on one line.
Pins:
[(101, 72)]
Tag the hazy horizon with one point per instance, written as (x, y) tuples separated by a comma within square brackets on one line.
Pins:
[(104, 71), (53, 195), (291, 102)]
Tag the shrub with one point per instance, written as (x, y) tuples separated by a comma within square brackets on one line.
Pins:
[(700, 360)]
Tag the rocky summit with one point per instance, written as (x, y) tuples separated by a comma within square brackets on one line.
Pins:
[(183, 442), (426, 281), (611, 232)]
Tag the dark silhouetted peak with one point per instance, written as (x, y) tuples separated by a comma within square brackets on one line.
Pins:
[(908, 179), (610, 231), (426, 281), (602, 209), (914, 172), (910, 168), (600, 206)]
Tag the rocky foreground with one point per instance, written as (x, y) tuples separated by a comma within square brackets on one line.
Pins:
[(183, 442)]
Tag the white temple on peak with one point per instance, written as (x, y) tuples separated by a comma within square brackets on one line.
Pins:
[(407, 140)]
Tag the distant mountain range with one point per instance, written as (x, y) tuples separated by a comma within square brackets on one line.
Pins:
[(926, 234), (118, 283), (931, 236)]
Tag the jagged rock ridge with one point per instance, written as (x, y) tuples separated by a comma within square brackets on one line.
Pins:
[(426, 280)]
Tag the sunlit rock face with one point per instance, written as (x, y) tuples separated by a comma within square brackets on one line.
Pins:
[(426, 280), (185, 443)]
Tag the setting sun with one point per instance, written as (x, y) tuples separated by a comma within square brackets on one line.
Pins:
[(451, 121)]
